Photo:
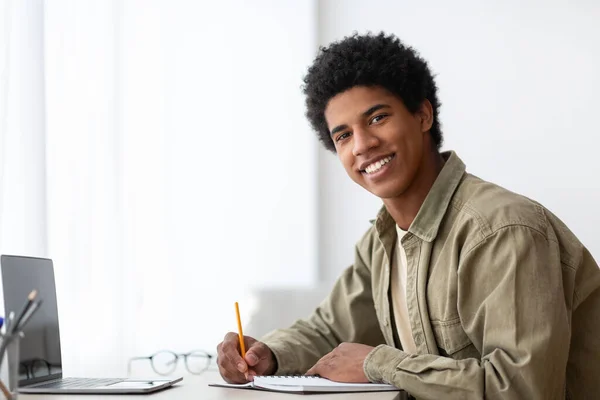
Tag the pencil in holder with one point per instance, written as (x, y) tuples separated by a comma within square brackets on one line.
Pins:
[(10, 349)]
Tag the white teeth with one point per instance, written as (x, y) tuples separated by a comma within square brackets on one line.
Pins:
[(376, 166)]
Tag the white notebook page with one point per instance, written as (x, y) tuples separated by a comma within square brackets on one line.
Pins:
[(307, 384), (313, 381)]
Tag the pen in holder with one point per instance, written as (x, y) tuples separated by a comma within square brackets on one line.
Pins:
[(9, 348), (10, 343)]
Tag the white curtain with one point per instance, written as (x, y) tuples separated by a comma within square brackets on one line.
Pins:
[(5, 23), (178, 174), (22, 187), (22, 145)]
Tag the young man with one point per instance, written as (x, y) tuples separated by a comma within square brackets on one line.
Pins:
[(460, 289)]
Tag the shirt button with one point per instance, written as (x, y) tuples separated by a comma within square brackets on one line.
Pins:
[(417, 338), (386, 322)]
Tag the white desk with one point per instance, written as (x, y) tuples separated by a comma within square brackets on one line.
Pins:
[(195, 387)]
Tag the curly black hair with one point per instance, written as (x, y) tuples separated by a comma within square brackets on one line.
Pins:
[(369, 60)]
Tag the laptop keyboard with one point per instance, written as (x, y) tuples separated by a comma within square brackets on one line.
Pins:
[(77, 383)]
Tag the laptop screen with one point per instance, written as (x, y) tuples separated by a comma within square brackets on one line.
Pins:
[(40, 357)]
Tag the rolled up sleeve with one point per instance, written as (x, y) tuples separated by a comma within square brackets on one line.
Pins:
[(346, 315)]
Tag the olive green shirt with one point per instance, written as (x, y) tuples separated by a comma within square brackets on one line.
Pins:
[(503, 301)]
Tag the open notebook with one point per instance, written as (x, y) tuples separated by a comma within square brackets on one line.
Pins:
[(307, 384)]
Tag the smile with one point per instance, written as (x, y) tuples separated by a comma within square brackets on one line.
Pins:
[(377, 165)]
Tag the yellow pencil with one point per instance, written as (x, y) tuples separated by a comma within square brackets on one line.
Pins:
[(239, 321)]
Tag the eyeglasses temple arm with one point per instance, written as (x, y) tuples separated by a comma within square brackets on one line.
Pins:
[(135, 359)]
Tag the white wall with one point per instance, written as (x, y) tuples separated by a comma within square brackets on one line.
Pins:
[(518, 82), (180, 174)]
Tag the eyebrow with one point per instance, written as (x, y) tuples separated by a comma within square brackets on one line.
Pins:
[(370, 111)]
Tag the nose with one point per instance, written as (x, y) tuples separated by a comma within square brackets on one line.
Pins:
[(363, 141)]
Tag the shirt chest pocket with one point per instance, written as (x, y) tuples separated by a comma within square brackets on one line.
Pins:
[(450, 336)]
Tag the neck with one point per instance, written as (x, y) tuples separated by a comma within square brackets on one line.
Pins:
[(404, 208)]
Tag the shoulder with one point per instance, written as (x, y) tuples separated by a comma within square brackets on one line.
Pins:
[(489, 208), (482, 211)]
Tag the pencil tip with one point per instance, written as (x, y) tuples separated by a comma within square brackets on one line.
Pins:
[(32, 295)]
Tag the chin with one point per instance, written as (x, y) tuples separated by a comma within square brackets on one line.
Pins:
[(383, 192), (386, 195)]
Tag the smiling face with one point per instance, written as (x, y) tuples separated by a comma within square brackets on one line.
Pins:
[(381, 144)]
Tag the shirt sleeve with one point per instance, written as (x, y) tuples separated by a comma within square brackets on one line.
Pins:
[(511, 305), (346, 315)]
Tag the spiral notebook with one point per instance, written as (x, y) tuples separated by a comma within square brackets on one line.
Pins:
[(307, 384)]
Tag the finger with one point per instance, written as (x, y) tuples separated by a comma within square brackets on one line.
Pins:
[(225, 362), (232, 375), (256, 353), (316, 369), (232, 339), (249, 342), (313, 370), (320, 368), (251, 358), (230, 350), (228, 370)]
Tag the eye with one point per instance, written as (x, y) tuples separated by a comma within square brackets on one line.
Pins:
[(342, 136), (377, 118)]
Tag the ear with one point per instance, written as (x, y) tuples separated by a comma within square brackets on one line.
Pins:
[(425, 115)]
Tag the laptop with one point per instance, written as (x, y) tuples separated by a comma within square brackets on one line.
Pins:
[(40, 366)]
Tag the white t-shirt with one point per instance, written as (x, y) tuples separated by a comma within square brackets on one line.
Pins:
[(399, 306)]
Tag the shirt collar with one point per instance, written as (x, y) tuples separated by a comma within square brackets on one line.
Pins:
[(429, 218)]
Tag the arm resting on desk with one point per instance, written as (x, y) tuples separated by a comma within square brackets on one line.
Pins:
[(346, 315)]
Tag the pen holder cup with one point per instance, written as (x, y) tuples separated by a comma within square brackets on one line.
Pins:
[(9, 348)]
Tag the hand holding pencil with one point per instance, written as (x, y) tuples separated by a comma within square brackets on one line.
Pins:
[(240, 357)]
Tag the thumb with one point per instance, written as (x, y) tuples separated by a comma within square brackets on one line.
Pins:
[(251, 357), (255, 353)]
